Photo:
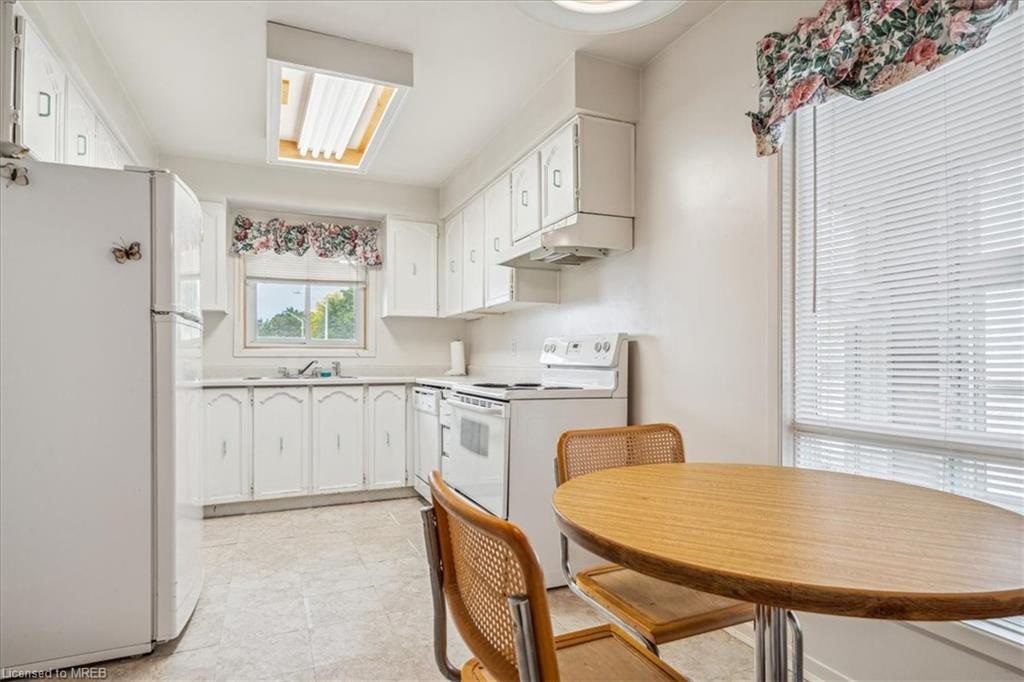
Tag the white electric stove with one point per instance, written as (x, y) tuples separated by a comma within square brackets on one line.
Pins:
[(500, 450)]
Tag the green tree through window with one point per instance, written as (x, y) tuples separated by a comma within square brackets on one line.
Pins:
[(286, 324), (334, 316)]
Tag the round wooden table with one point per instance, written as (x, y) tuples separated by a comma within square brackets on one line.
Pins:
[(786, 538)]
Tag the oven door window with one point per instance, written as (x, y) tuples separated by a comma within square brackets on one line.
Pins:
[(475, 462)]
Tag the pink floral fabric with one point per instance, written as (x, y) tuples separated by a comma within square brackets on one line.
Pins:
[(357, 243), (860, 48)]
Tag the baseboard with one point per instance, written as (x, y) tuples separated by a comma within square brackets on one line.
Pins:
[(814, 670), (39, 668), (304, 502)]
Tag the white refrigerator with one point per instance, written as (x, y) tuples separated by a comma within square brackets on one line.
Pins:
[(100, 414)]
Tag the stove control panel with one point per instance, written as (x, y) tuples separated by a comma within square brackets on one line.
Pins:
[(590, 350)]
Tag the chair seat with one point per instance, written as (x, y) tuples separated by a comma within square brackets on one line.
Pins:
[(660, 610), (604, 652)]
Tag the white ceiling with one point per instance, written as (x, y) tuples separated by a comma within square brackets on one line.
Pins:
[(196, 71)]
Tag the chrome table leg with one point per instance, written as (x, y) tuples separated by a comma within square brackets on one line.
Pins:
[(771, 645)]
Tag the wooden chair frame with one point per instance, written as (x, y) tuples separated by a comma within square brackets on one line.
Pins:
[(561, 476), (531, 618)]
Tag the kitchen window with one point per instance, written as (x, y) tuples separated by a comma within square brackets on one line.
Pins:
[(304, 301), (903, 279)]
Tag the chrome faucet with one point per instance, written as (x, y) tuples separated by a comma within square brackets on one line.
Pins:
[(302, 372)]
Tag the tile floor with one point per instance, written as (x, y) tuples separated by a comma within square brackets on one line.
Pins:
[(341, 593)]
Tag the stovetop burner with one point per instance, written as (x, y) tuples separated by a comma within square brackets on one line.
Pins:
[(525, 386)]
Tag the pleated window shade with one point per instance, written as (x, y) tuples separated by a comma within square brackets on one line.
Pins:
[(308, 268), (903, 258)]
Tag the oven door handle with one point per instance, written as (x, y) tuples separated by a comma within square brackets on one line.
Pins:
[(496, 411)]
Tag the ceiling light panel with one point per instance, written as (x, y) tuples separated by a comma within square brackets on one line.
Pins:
[(329, 118)]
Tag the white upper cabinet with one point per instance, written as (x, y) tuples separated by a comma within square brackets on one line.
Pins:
[(558, 175), (213, 275), (106, 153), (280, 441), (497, 238), (226, 456), (386, 412), (43, 86), (410, 269), (80, 129), (605, 167), (337, 438), (453, 265), (473, 255), (526, 197)]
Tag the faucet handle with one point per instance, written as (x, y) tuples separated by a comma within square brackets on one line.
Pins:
[(336, 368), (283, 372)]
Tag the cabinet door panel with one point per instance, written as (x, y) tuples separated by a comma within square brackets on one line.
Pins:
[(412, 268), (386, 420), (558, 176), (453, 267), (473, 255), (80, 129), (213, 285), (526, 197), (338, 454), (43, 99), (497, 238), (227, 451), (280, 449)]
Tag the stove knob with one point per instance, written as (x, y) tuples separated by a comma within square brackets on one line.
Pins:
[(597, 347), (607, 346)]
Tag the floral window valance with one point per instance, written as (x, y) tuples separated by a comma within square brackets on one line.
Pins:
[(356, 243), (860, 48)]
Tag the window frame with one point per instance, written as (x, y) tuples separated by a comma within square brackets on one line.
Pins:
[(252, 339), (991, 638), (239, 332)]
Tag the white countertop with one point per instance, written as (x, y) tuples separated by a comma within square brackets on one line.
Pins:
[(446, 381), (317, 381)]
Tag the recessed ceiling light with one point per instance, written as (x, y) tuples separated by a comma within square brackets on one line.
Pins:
[(598, 16), (330, 100), (596, 6)]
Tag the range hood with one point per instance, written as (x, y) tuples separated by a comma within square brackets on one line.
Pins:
[(574, 240)]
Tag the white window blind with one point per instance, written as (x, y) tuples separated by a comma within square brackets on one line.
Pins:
[(904, 272), (308, 267)]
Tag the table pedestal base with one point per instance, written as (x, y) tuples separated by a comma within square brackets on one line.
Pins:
[(771, 645)]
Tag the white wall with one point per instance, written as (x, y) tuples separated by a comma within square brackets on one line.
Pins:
[(403, 346), (67, 32), (699, 290), (700, 294)]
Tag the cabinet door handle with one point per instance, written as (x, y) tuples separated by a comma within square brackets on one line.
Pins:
[(451, 266), (556, 177), (524, 198), (413, 269), (223, 448), (472, 255), (387, 438), (497, 243), (44, 98), (83, 144), (339, 441), (281, 445)]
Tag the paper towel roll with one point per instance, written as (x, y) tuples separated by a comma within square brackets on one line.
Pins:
[(458, 353)]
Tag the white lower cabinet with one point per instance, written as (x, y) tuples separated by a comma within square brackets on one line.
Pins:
[(228, 445), (267, 442), (386, 412), (337, 439), (280, 442)]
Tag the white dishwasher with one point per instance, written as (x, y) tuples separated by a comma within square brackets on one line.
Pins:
[(427, 423)]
